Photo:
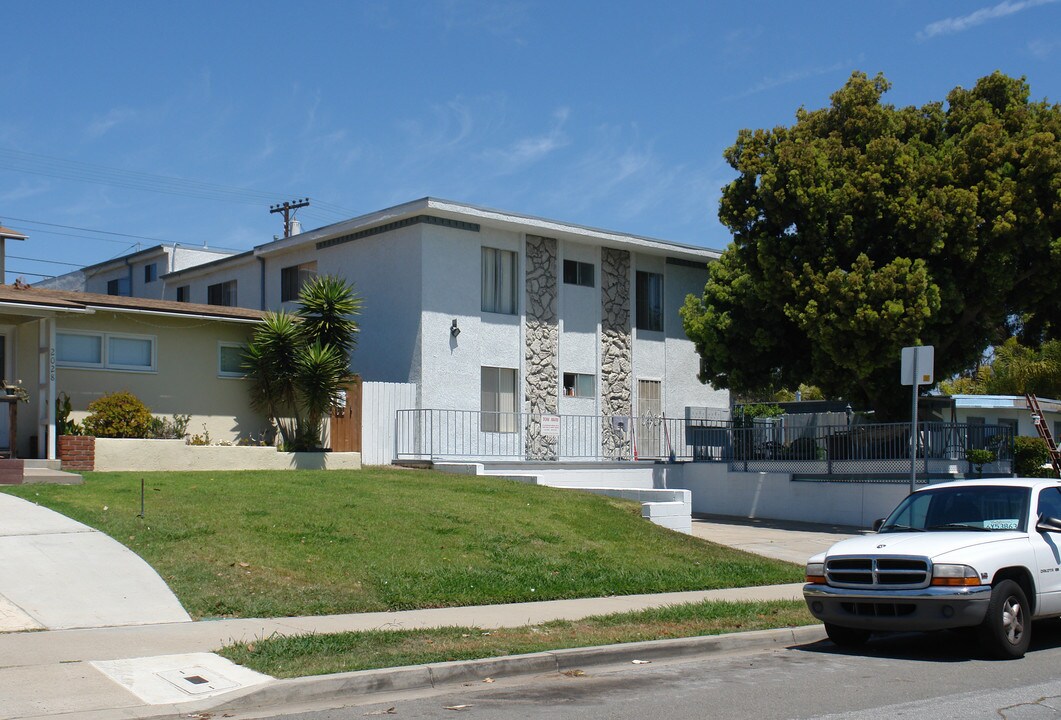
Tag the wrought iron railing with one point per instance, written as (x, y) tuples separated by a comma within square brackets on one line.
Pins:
[(771, 445)]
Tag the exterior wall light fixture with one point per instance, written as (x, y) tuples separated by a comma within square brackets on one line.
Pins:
[(453, 329)]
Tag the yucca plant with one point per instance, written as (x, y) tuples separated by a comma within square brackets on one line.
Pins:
[(298, 363)]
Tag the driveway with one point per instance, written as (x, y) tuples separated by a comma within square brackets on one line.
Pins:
[(790, 541), (56, 573)]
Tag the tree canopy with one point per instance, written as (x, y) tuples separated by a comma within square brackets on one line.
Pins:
[(1014, 370), (864, 228)]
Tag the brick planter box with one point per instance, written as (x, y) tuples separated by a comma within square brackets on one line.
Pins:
[(77, 452)]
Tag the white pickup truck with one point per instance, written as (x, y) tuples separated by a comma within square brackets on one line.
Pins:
[(981, 553)]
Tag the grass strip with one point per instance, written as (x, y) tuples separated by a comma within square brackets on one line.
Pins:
[(299, 655), (300, 542)]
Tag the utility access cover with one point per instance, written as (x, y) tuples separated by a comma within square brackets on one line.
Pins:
[(197, 680), (179, 678)]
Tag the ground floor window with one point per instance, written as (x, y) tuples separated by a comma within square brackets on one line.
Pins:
[(107, 351), (230, 360), (498, 399)]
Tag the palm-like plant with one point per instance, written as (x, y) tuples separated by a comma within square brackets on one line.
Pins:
[(297, 363)]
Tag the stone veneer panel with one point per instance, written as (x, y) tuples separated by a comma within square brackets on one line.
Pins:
[(616, 352), (542, 337)]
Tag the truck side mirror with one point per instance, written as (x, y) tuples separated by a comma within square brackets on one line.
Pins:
[(1048, 524), (877, 524)]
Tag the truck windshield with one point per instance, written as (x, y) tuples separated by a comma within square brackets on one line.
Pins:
[(982, 508)]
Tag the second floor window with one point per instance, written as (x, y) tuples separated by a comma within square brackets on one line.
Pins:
[(184, 293), (499, 281), (649, 301), (119, 286), (222, 294), (150, 272), (293, 278)]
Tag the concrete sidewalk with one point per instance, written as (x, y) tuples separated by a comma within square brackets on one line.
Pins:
[(58, 573), (792, 542), (33, 665)]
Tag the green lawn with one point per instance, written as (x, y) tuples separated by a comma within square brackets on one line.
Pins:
[(268, 544), (299, 655)]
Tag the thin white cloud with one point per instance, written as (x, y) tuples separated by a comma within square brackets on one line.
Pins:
[(1041, 49), (501, 18), (792, 76), (23, 191), (529, 150), (961, 23), (102, 125)]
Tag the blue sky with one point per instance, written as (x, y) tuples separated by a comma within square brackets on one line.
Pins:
[(610, 114)]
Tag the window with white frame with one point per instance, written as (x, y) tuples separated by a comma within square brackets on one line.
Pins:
[(579, 385), (230, 359), (498, 404), (105, 351), (293, 278), (499, 281), (649, 315)]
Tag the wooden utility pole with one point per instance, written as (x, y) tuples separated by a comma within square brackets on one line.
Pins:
[(286, 208)]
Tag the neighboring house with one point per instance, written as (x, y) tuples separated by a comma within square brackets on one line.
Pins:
[(1008, 410), (136, 275), (176, 357), (492, 311)]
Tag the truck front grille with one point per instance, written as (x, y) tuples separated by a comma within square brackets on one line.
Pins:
[(873, 572)]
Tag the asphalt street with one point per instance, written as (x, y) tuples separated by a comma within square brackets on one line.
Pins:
[(939, 676)]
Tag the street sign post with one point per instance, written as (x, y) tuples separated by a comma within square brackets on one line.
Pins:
[(915, 369)]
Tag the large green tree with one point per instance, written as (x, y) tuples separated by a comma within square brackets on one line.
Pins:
[(299, 362), (864, 228)]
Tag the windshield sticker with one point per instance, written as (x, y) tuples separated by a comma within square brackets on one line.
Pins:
[(1001, 524)]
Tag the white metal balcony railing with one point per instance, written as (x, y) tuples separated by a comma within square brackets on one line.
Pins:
[(825, 449)]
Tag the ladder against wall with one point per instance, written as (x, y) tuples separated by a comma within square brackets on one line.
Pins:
[(1043, 429)]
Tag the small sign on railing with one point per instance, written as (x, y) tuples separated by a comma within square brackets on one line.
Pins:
[(550, 425)]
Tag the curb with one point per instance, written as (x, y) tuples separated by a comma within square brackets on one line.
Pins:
[(319, 688)]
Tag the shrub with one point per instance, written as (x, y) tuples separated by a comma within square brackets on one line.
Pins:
[(162, 428), (118, 415), (980, 457), (1029, 456), (63, 424)]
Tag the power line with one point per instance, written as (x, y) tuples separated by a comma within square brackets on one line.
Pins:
[(52, 262), (49, 166), (84, 229)]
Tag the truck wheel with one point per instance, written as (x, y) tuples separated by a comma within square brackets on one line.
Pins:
[(1006, 631), (846, 637)]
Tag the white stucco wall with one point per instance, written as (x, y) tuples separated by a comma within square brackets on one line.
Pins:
[(386, 271), (580, 317), (452, 289), (682, 363), (717, 491)]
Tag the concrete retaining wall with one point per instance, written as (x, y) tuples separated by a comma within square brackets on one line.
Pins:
[(774, 496), (150, 455)]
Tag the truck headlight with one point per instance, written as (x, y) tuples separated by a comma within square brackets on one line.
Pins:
[(816, 573), (954, 575)]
